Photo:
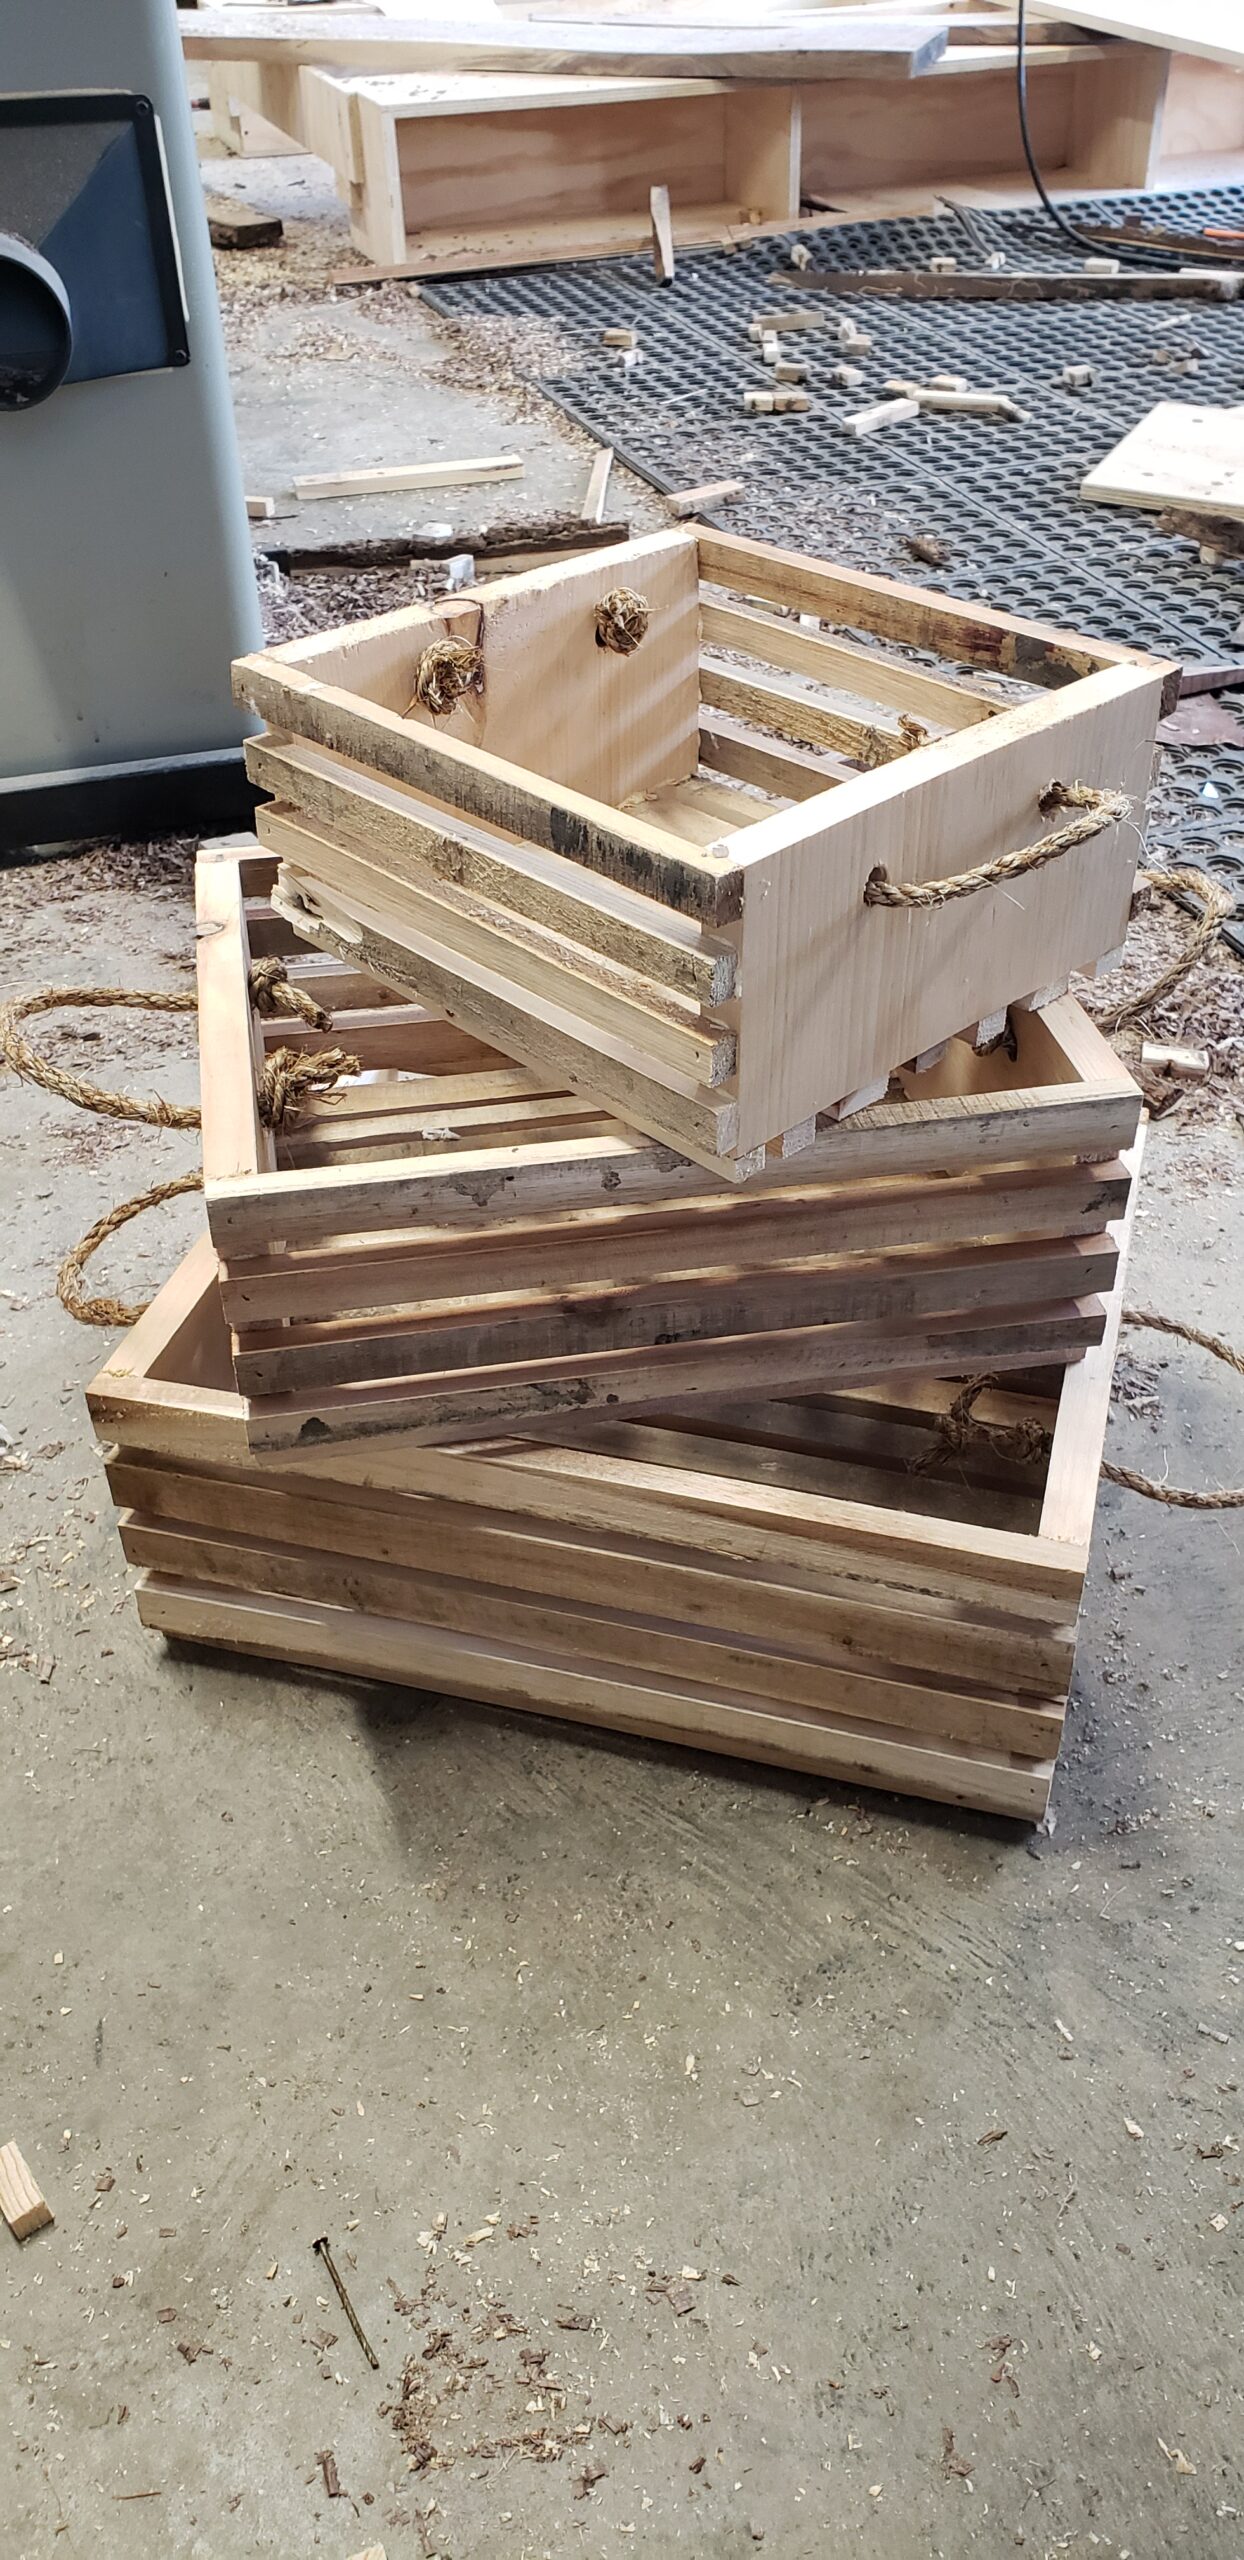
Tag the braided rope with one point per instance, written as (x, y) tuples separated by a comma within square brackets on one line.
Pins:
[(1180, 1499), (272, 993), (290, 1077), (1095, 810), (622, 618), (958, 1429), (446, 671), (25, 1060), (1218, 904), (114, 1311)]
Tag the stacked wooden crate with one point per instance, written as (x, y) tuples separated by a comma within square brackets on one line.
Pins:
[(683, 1294), (828, 1582), (444, 1245)]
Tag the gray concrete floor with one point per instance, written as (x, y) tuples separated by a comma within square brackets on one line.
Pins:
[(638, 2093)]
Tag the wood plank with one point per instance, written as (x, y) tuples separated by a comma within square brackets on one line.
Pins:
[(1084, 1409), (574, 1632), (969, 634), (535, 963), (770, 764), (1178, 456), (942, 808), (306, 1633), (589, 1248), (863, 1625), (443, 1409), (1208, 28), (23, 2205), (838, 46), (795, 714), (236, 1147), (857, 671), (672, 1108), (416, 836), (562, 1327), (378, 477)]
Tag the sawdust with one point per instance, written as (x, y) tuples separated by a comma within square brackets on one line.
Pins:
[(1206, 1011)]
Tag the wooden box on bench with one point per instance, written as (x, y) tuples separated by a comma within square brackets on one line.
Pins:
[(547, 863), (445, 1246), (820, 1581)]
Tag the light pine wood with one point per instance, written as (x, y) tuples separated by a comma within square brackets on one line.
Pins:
[(834, 662), (1084, 1410), (409, 475), (1209, 28), (1178, 456), (838, 45), (24, 2208)]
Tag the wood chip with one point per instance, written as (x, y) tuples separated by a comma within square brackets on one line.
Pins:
[(24, 2207)]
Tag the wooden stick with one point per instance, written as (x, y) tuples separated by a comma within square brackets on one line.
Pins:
[(919, 284), (662, 235), (713, 493), (24, 2208), (598, 485), (410, 475)]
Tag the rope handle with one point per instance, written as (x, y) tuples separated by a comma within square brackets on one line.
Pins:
[(113, 1311), (25, 1060), (1178, 1496), (1095, 810)]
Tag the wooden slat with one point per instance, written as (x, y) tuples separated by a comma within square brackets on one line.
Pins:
[(845, 44), (835, 662)]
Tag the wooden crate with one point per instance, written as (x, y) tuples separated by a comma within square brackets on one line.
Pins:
[(811, 1581), (478, 860), (462, 1248)]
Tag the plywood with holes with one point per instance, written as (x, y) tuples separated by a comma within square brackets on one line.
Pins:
[(1180, 455), (636, 1576), (927, 772)]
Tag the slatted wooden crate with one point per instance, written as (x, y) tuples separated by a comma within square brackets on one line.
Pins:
[(541, 858), (816, 1581), (461, 1248)]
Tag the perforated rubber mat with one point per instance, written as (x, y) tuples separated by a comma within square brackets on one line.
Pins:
[(1001, 497)]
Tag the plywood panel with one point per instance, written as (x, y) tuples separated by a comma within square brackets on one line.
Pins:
[(1179, 456)]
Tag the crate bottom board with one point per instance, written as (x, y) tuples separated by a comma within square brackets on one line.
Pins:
[(358, 1646)]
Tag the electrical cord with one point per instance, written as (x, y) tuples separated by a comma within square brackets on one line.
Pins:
[(1080, 238)]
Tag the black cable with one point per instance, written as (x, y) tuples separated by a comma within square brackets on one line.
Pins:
[(1080, 238)]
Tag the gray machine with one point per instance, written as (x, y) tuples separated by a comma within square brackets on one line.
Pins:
[(126, 577)]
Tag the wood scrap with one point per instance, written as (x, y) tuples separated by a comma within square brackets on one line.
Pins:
[(917, 284), (597, 489), (662, 234), (967, 404), (1209, 532), (1168, 1058), (261, 510), (882, 414), (712, 493), (232, 225), (24, 2207), (378, 478), (769, 404), (539, 537), (619, 337)]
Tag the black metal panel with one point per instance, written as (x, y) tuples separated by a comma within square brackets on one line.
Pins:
[(82, 180), (133, 804)]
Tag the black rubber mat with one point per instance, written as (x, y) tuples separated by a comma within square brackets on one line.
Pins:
[(1002, 498)]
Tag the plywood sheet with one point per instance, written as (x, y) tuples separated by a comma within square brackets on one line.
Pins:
[(1179, 456), (1214, 28)]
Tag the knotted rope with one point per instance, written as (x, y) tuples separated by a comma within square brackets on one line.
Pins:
[(1095, 810), (622, 618), (291, 1077), (272, 993), (25, 1060), (446, 671), (1218, 904), (958, 1429), (69, 1277)]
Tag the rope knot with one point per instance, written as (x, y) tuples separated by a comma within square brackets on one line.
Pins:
[(622, 618), (957, 1429), (272, 994), (291, 1077), (446, 671)]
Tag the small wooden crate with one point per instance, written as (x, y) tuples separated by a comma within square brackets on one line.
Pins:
[(813, 1581), (462, 1248), (546, 864)]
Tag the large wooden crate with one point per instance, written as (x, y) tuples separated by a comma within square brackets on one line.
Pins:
[(547, 864), (815, 1581), (445, 1246)]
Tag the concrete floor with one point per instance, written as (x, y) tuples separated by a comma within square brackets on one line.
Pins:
[(510, 2012)]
